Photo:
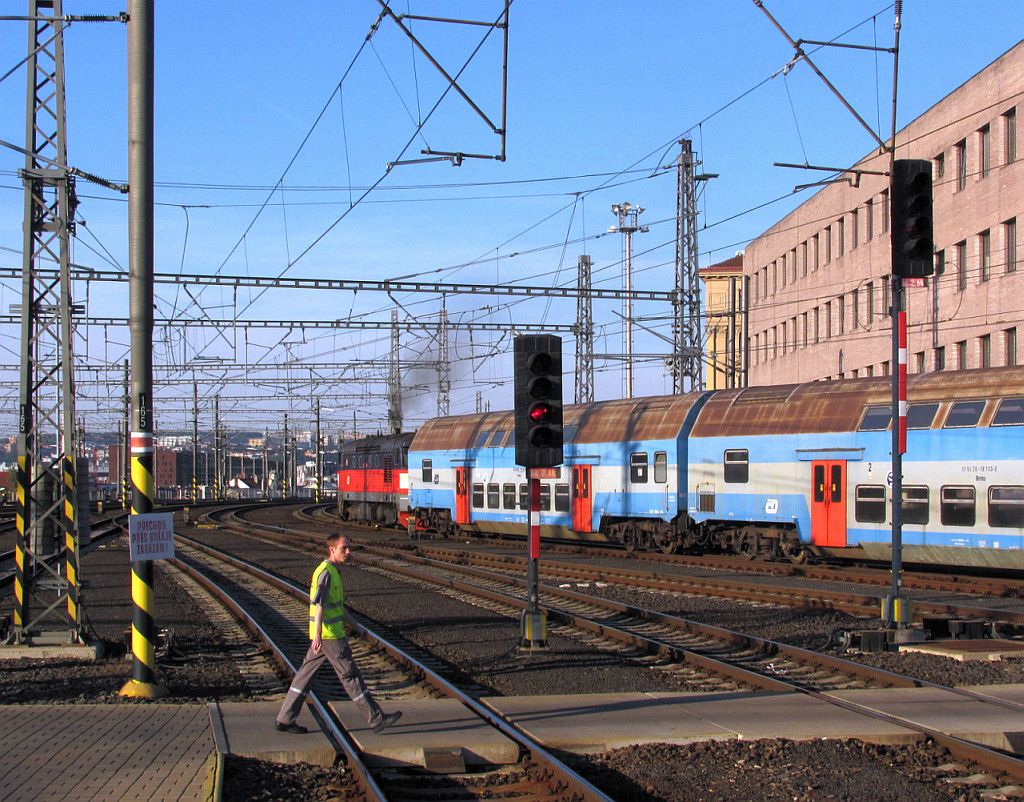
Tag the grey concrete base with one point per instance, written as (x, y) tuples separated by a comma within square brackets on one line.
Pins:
[(429, 730), (952, 714), (598, 722), (50, 651), (595, 723), (989, 649), (246, 729)]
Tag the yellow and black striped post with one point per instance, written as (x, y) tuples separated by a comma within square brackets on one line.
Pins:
[(71, 544), (144, 680), (21, 513), (140, 305)]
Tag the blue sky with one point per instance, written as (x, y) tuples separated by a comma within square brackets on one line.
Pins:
[(597, 95)]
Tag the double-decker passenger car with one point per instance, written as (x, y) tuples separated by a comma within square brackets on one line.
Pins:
[(373, 481), (774, 471)]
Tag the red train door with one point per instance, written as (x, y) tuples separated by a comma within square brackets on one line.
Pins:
[(462, 497), (828, 503), (582, 499)]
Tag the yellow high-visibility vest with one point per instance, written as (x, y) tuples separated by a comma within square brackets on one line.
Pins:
[(334, 605)]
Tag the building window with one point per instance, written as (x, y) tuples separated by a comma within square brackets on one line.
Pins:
[(1010, 335), (940, 264), (985, 150), (940, 358), (814, 253), (870, 302), (817, 324), (784, 271), (1010, 133), (803, 324), (828, 244), (784, 338), (885, 210), (961, 164), (961, 355), (985, 252), (919, 362), (885, 368), (841, 235), (841, 306), (869, 370), (885, 296), (775, 277), (792, 266), (828, 320), (803, 253), (940, 165), (869, 219), (985, 350), (1010, 240), (855, 228), (854, 309), (961, 265)]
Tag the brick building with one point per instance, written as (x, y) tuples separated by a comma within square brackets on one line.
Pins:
[(817, 281), (723, 341)]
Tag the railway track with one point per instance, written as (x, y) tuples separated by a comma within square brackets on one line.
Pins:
[(707, 657), (270, 605)]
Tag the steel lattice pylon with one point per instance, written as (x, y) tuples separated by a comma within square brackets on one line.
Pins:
[(444, 368), (395, 378), (584, 335), (687, 361), (46, 476)]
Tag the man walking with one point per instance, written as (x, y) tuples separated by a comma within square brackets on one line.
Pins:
[(327, 633)]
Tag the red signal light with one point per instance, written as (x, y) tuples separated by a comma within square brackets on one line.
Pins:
[(540, 412)]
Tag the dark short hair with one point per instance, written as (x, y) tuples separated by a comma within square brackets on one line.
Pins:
[(335, 537)]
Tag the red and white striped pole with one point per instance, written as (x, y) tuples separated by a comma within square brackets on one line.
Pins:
[(901, 381), (534, 621)]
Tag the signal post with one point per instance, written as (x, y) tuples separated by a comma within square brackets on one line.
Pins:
[(538, 438)]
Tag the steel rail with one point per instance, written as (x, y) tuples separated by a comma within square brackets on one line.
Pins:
[(577, 783)]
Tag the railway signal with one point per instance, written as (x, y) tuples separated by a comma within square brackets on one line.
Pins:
[(912, 243), (538, 400)]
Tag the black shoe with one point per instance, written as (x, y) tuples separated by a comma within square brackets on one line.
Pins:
[(387, 721), (295, 729)]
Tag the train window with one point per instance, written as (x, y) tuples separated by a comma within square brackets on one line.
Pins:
[(964, 414), (545, 497), (920, 416), (478, 495), (638, 467), (569, 432), (876, 419), (870, 506), (496, 439), (524, 496), (562, 498), (508, 496), (958, 506), (915, 505), (1006, 506), (660, 467), (427, 471), (1010, 412), (481, 438), (493, 496), (737, 465), (819, 483)]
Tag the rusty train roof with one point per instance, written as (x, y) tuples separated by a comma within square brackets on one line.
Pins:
[(774, 409), (650, 418), (837, 406)]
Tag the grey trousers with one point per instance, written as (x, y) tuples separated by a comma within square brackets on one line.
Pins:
[(340, 656)]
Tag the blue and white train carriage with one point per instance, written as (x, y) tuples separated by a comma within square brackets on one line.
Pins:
[(773, 471)]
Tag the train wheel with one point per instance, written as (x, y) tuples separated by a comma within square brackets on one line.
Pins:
[(665, 543), (629, 537), (793, 551), (749, 547)]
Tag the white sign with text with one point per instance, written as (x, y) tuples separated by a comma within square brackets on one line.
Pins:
[(151, 536)]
